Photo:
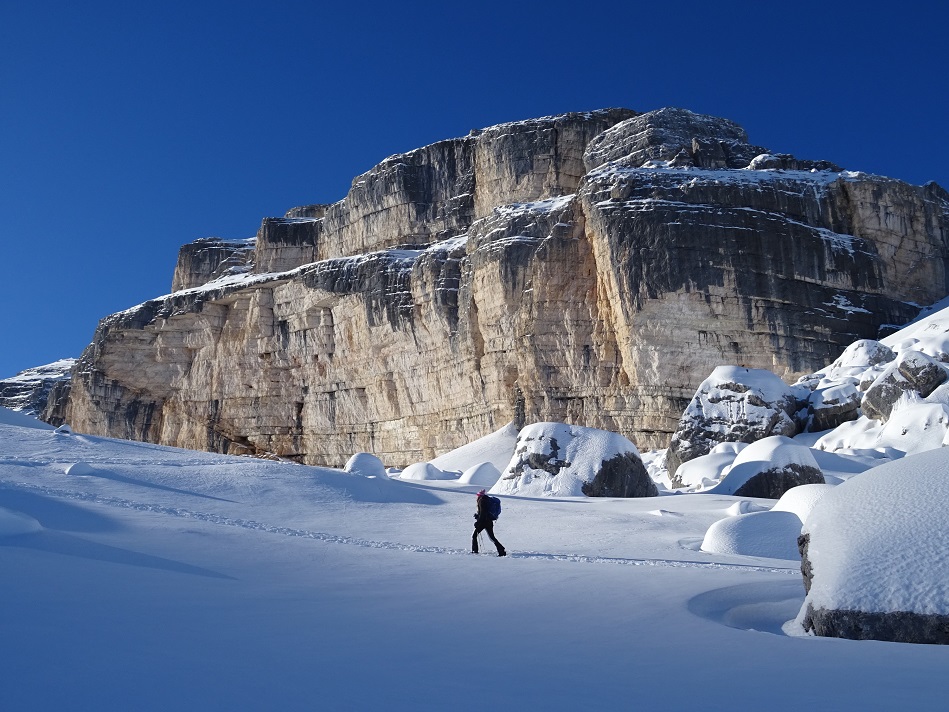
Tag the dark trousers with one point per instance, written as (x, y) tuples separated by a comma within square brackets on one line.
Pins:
[(487, 526)]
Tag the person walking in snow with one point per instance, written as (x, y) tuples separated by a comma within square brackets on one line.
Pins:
[(484, 521)]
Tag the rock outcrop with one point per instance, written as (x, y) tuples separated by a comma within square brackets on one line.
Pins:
[(40, 392), (589, 268)]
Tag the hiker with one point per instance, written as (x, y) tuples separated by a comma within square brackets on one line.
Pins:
[(484, 522)]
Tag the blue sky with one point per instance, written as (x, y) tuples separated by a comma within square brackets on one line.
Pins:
[(128, 130)]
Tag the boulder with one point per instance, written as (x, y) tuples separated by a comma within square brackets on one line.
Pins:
[(733, 404), (558, 460), (769, 468), (875, 551), (366, 464), (913, 374)]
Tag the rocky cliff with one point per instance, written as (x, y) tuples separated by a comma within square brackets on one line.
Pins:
[(41, 392), (589, 268)]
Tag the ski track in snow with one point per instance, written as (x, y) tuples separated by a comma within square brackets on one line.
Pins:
[(251, 524)]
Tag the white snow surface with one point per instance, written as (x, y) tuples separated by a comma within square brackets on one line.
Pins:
[(176, 580), (880, 541)]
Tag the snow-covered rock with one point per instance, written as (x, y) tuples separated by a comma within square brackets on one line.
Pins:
[(558, 460), (79, 469), (426, 471), (771, 534), (366, 464), (876, 554), (913, 373), (707, 470), (801, 499), (769, 468), (484, 474), (39, 391), (734, 404)]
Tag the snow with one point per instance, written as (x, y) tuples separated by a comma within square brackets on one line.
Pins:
[(169, 579), (880, 541), (496, 448)]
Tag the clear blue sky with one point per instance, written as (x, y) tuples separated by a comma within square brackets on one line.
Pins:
[(128, 129)]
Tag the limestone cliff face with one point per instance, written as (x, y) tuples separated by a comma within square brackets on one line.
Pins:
[(589, 268)]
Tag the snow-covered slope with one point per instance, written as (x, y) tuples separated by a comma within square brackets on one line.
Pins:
[(167, 579)]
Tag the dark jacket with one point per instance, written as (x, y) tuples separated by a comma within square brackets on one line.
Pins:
[(483, 515)]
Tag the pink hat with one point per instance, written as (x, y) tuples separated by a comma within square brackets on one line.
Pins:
[(481, 493)]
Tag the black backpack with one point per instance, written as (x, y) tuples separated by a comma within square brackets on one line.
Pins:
[(494, 507)]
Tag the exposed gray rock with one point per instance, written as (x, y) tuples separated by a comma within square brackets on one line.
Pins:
[(832, 406), (622, 475), (913, 373), (286, 243), (773, 482)]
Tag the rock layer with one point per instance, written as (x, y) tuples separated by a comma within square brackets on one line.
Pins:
[(588, 268)]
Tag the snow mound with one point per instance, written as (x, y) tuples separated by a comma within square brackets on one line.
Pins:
[(484, 474), (79, 469), (767, 534), (915, 428), (365, 464), (424, 471), (743, 506), (801, 499), (16, 523)]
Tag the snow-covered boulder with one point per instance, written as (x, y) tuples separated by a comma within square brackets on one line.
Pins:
[(80, 469), (557, 460), (830, 406), (801, 500), (707, 470), (734, 404), (875, 552), (366, 464), (915, 428), (913, 373), (770, 534), (426, 471), (484, 474), (769, 468)]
